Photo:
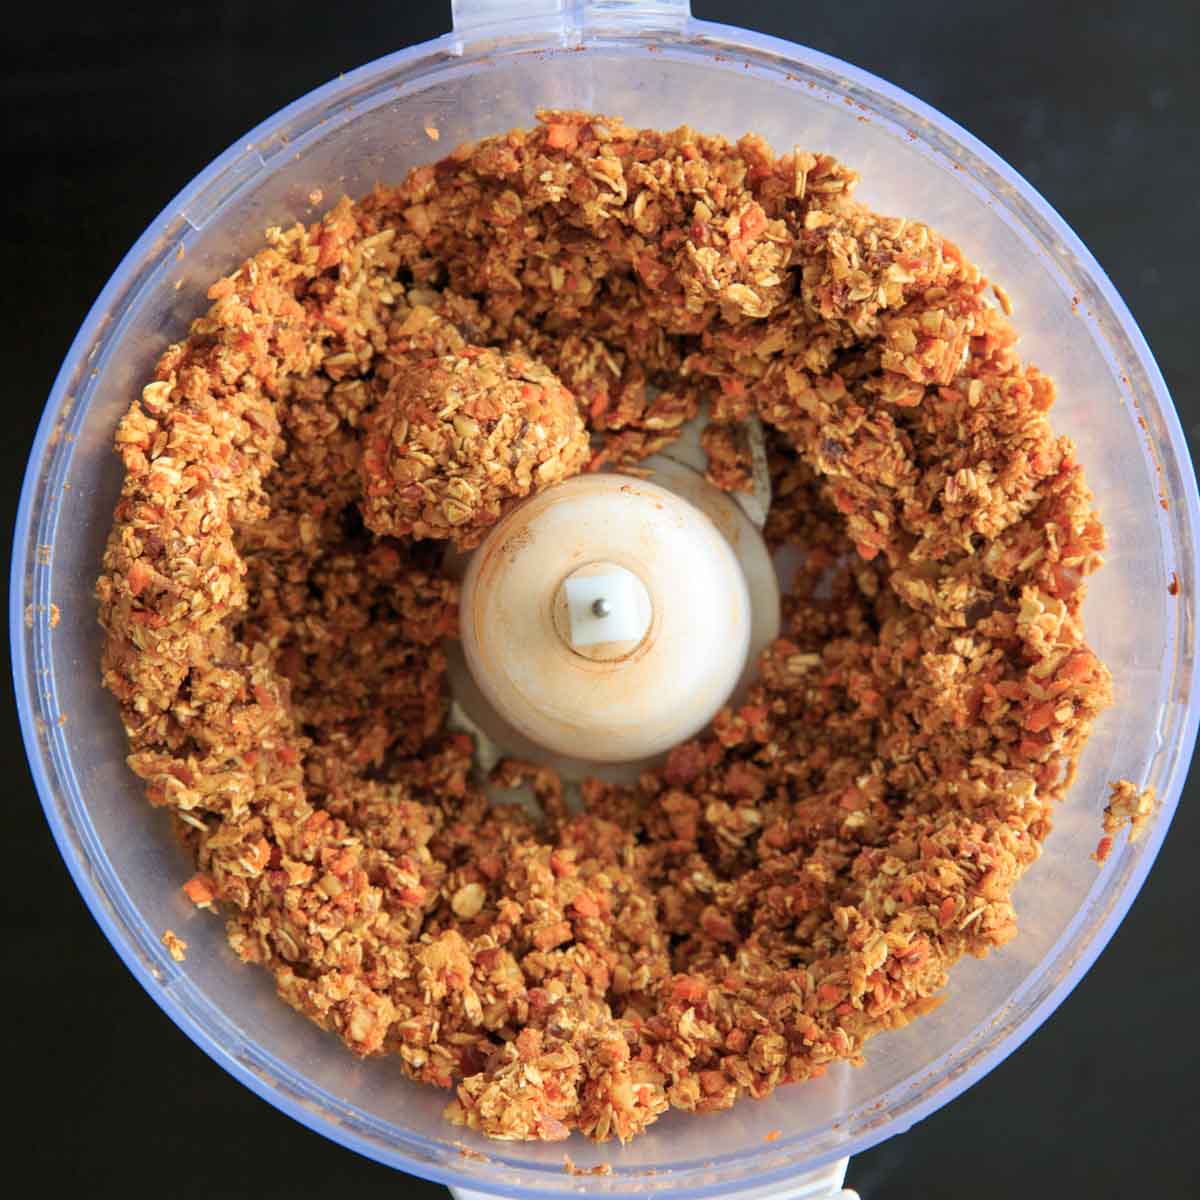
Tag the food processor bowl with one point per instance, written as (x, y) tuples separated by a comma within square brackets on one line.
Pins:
[(652, 64)]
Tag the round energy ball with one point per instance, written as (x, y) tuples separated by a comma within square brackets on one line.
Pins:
[(455, 438)]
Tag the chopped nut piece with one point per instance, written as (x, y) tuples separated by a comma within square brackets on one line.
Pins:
[(468, 901), (1127, 806), (176, 946)]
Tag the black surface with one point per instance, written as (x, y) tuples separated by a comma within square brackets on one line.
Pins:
[(108, 114)]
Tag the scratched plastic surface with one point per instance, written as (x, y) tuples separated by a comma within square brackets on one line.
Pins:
[(652, 66)]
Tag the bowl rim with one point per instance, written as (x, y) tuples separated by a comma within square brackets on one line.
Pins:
[(48, 756)]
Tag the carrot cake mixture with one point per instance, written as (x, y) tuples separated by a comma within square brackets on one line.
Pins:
[(376, 387)]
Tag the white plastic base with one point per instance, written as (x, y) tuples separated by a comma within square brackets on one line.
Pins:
[(822, 1184)]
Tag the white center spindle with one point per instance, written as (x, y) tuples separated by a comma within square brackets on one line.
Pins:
[(606, 619)]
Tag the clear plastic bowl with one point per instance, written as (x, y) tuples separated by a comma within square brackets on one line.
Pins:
[(653, 65)]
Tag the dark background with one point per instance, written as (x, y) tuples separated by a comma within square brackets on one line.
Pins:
[(109, 113)]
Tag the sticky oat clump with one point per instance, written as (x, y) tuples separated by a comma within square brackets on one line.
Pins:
[(456, 438), (797, 879)]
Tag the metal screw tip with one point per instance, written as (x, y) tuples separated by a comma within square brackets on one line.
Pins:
[(601, 607)]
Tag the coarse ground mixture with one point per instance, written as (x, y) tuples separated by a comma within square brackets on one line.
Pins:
[(796, 879)]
